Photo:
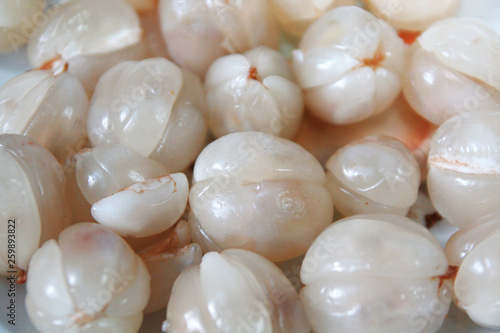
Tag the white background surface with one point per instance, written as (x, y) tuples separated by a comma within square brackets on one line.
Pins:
[(456, 322)]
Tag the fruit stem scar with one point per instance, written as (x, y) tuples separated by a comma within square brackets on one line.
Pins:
[(82, 318), (253, 74), (409, 37), (431, 219), (21, 276), (375, 61), (55, 64), (450, 275)]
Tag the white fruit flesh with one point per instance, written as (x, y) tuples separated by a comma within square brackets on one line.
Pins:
[(146, 208), (105, 170)]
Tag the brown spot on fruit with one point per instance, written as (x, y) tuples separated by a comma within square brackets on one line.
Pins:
[(450, 275), (21, 276), (431, 219), (148, 184), (253, 74), (409, 37), (82, 318), (55, 63), (375, 61)]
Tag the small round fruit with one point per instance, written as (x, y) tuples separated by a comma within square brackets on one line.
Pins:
[(253, 91), (32, 200), (350, 65), (475, 252), (258, 192), (375, 273), (235, 291), (89, 280), (464, 167), (153, 107), (373, 175), (445, 77)]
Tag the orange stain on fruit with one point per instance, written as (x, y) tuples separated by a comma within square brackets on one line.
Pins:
[(21, 276), (55, 63), (375, 61), (253, 74), (451, 275), (409, 37)]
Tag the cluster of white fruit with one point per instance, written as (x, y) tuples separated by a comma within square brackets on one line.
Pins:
[(125, 98)]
